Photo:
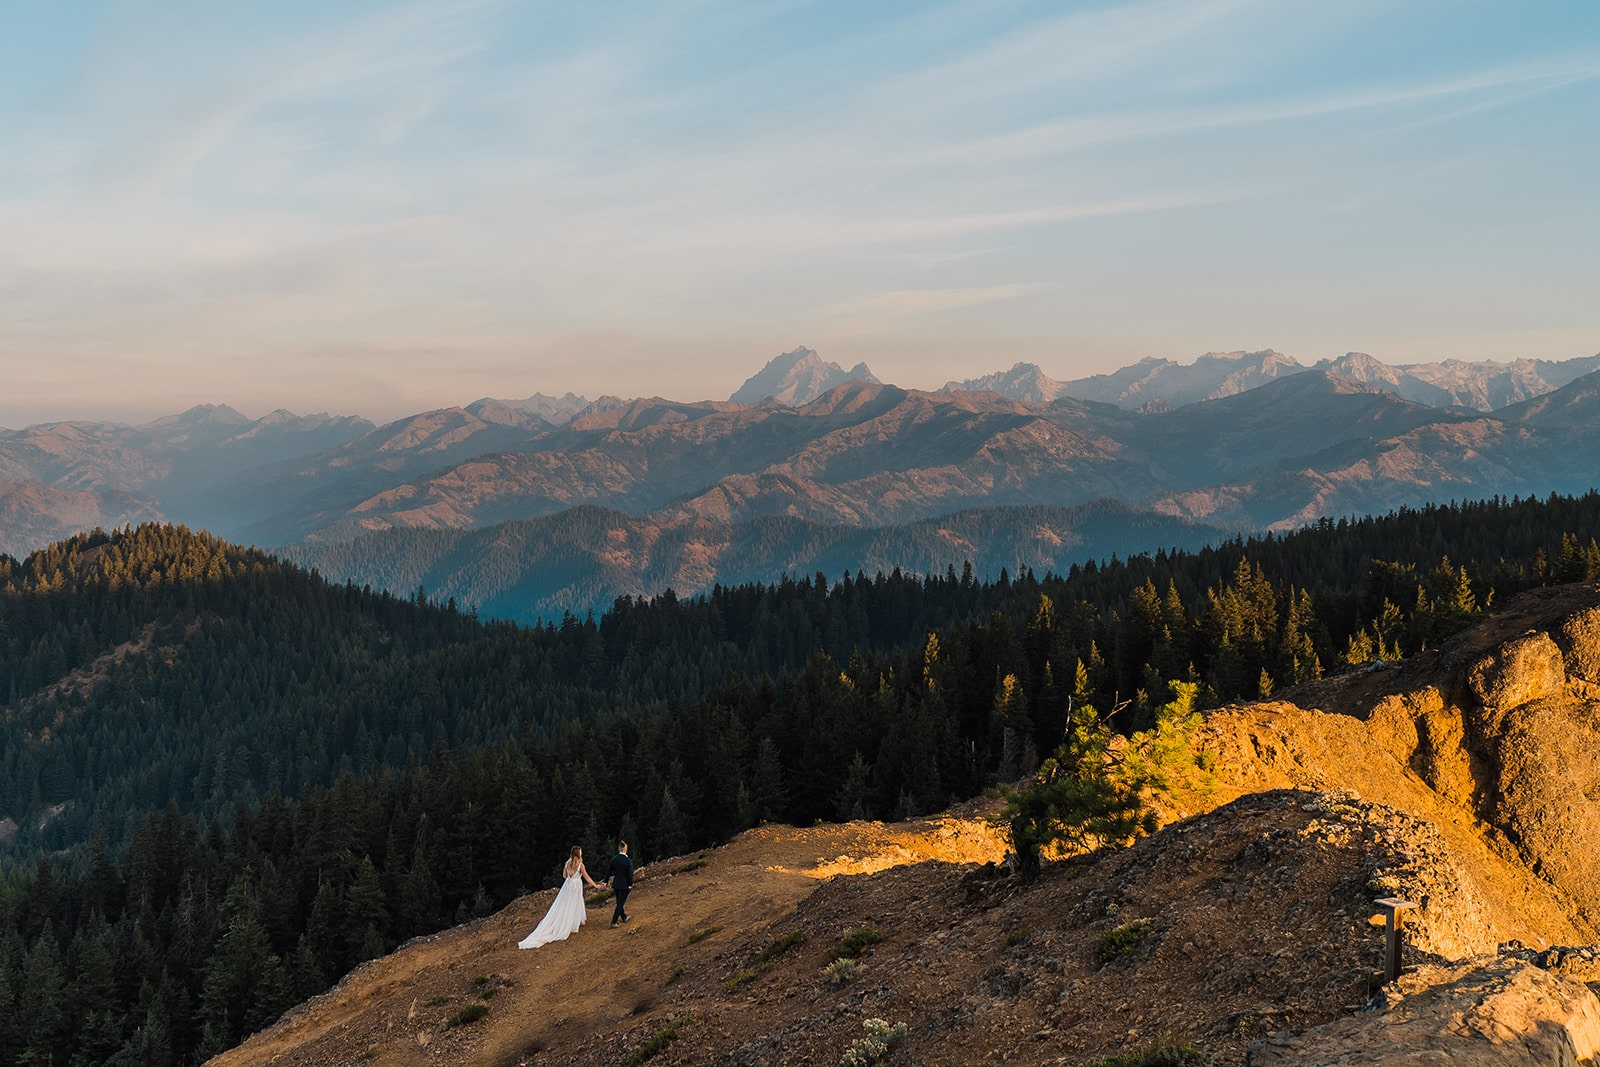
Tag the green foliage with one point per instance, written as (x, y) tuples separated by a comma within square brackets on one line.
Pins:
[(677, 973), (659, 1040), (739, 979), (697, 936), (1122, 939), (469, 1014), (856, 941), (779, 945), (1077, 800), (873, 1048), (843, 970), (1162, 759), (1167, 1050), (685, 868)]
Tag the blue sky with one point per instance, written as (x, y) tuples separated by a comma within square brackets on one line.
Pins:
[(378, 208)]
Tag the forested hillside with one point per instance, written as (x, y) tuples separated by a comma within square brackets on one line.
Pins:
[(227, 781), (585, 557)]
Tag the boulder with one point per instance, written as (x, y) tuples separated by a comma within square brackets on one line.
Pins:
[(1522, 670), (1579, 638)]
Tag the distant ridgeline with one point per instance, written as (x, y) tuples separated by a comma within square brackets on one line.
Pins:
[(581, 558), (226, 781)]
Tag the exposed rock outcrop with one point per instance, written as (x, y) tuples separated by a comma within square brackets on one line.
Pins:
[(1500, 726), (1503, 1013)]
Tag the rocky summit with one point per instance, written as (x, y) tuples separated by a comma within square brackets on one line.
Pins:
[(1242, 930)]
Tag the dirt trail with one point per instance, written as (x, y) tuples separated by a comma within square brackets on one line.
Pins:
[(392, 1011)]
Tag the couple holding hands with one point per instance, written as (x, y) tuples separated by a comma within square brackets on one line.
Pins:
[(568, 911)]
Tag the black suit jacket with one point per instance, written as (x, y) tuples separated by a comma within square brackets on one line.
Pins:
[(619, 872)]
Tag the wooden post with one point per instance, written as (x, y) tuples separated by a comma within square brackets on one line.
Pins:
[(1393, 937)]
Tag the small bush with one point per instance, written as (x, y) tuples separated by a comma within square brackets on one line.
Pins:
[(469, 1014), (434, 1002), (1121, 940), (685, 868), (481, 981), (1015, 938), (857, 941), (677, 972), (1167, 1050), (843, 970), (697, 936), (738, 980), (869, 1050), (662, 1038), (781, 945)]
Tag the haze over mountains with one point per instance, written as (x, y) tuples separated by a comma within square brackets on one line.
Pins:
[(810, 466)]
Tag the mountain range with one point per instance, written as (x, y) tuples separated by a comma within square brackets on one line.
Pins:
[(1160, 384), (812, 467)]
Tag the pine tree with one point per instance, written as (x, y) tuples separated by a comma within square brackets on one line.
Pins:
[(42, 1004), (1076, 801), (671, 837), (365, 915), (850, 802)]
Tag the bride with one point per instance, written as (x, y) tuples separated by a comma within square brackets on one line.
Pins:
[(567, 912)]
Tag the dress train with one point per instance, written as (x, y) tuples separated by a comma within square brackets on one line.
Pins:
[(567, 913)]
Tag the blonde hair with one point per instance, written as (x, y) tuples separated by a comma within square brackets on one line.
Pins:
[(574, 861)]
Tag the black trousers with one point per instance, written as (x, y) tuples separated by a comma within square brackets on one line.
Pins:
[(621, 911)]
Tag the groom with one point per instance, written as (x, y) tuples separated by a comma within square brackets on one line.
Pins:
[(619, 874)]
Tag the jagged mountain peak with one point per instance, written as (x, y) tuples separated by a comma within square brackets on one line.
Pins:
[(1151, 383), (797, 377), (1479, 385), (200, 414), (1024, 381), (555, 410), (1264, 357)]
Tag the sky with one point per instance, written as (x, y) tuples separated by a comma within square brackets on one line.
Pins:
[(381, 208)]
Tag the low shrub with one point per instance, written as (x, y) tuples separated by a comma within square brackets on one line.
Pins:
[(697, 936), (469, 1014), (781, 945), (1167, 1050), (857, 941), (843, 970), (1121, 940), (869, 1050), (659, 1041), (738, 980)]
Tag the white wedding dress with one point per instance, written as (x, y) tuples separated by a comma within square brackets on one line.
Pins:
[(566, 914)]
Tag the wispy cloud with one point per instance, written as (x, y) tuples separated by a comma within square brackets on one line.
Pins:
[(877, 312)]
